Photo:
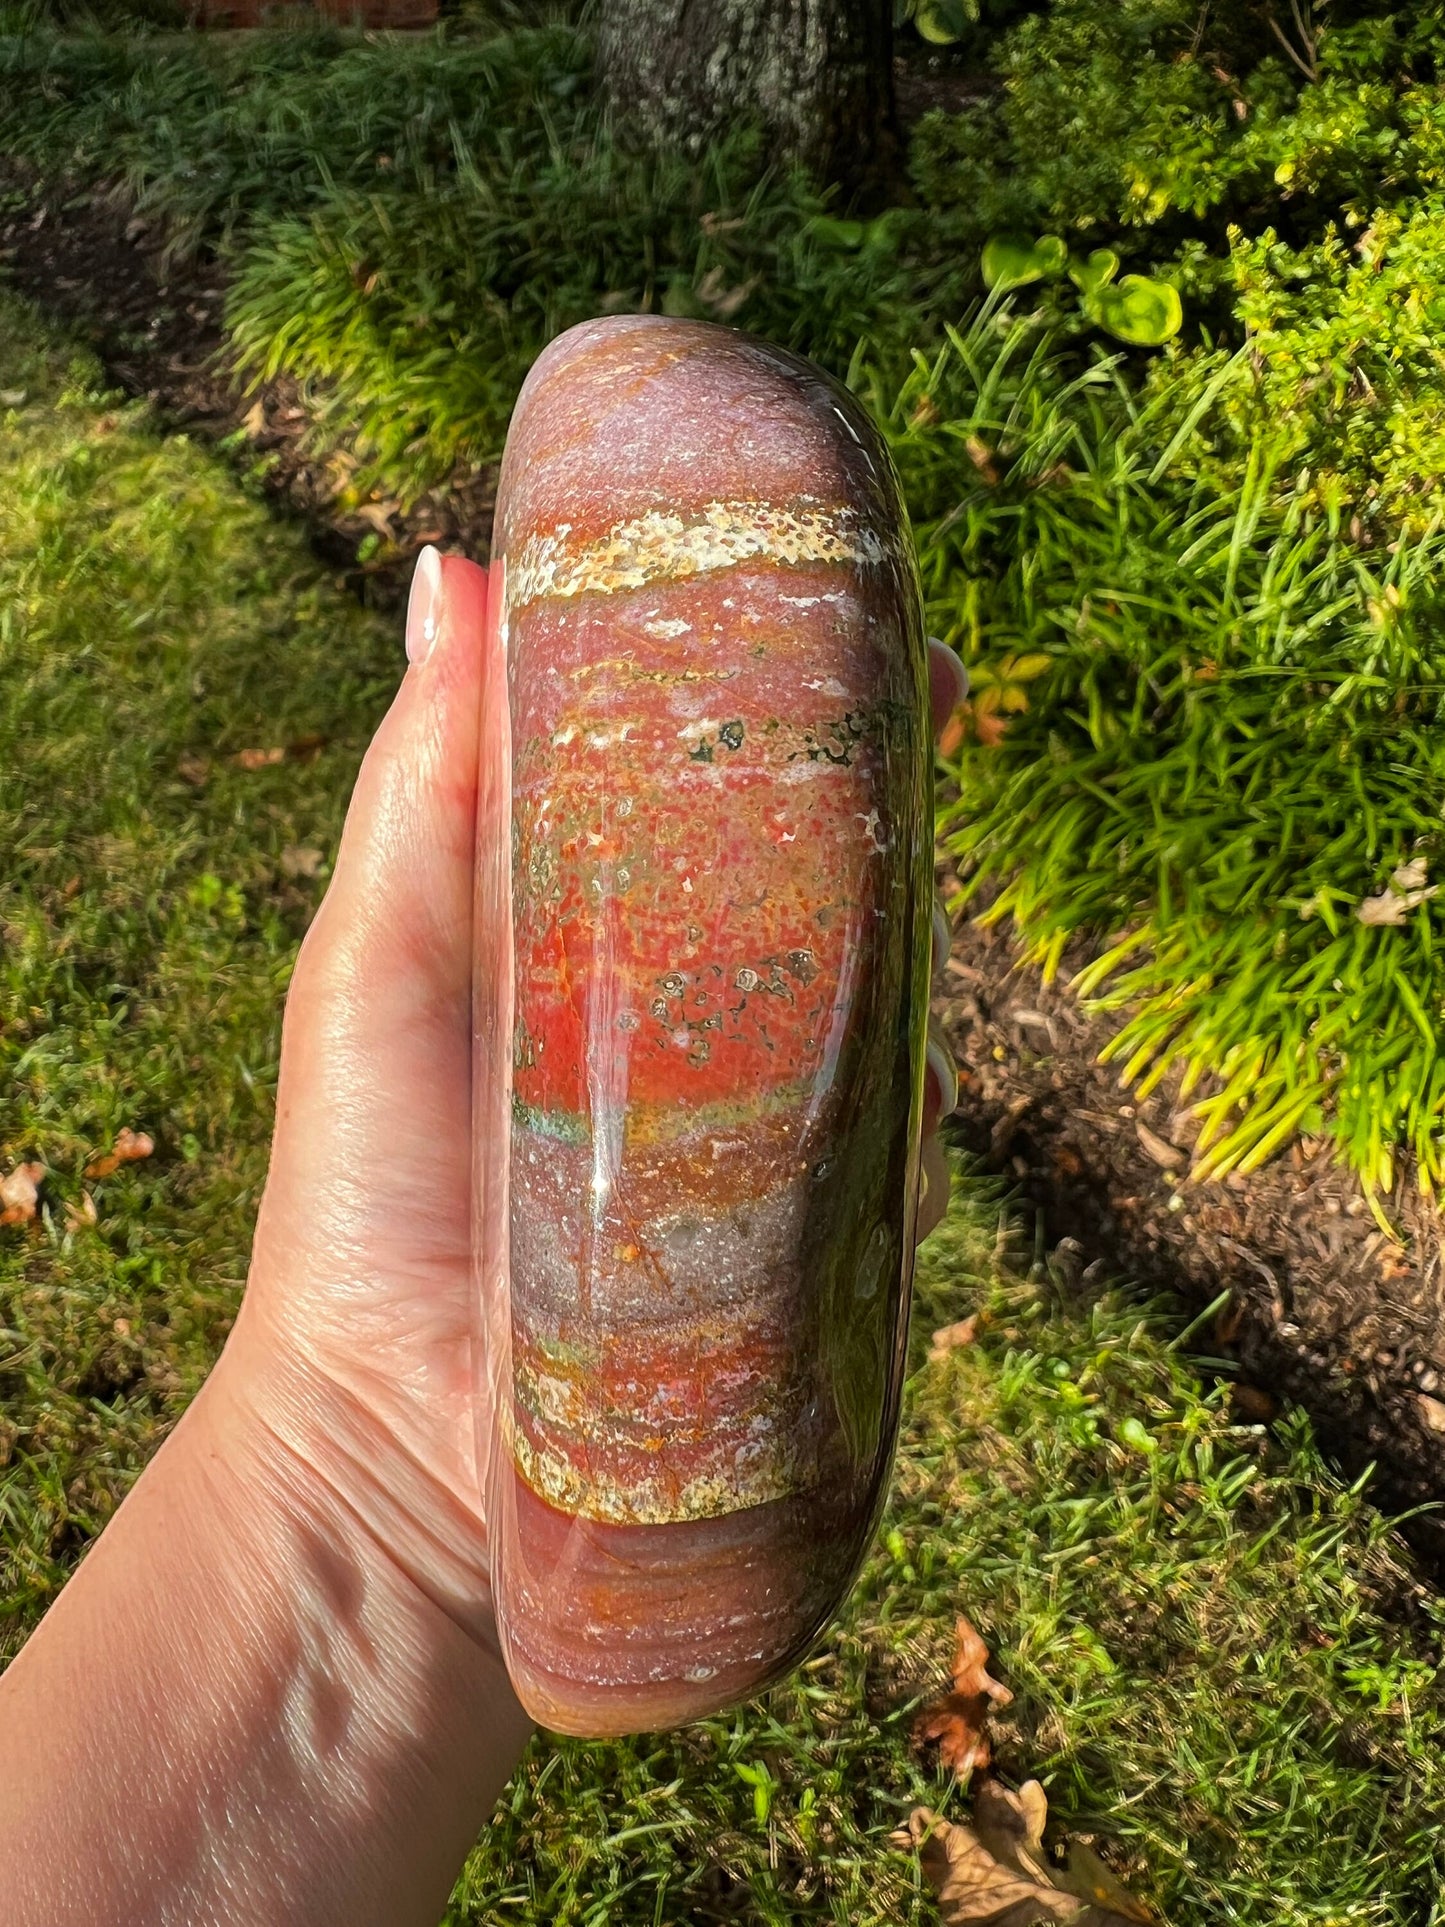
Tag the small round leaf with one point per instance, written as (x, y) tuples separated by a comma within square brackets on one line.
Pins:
[(1011, 263), (943, 21), (1095, 273), (1140, 310)]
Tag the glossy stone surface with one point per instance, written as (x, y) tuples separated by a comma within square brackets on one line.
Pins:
[(721, 899)]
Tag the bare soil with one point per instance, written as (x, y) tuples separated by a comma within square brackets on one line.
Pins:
[(1323, 1305), (156, 323)]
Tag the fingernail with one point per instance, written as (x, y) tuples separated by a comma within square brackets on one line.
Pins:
[(942, 937), (424, 608), (943, 654), (942, 1066)]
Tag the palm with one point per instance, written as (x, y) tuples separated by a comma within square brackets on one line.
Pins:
[(361, 1276)]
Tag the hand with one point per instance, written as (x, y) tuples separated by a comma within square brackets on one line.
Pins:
[(356, 1320), (289, 1617)]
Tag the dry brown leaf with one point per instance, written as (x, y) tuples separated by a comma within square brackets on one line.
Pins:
[(1106, 1900), (957, 1719), (1406, 891), (951, 1337), (981, 455), (20, 1193), (129, 1147), (254, 420), (1160, 1149), (78, 1216), (301, 860), (992, 1872), (193, 769), (721, 300)]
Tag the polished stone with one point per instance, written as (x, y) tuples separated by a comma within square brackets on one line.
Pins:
[(721, 913)]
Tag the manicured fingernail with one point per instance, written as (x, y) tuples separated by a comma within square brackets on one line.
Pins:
[(942, 937), (948, 659), (942, 1066), (424, 609)]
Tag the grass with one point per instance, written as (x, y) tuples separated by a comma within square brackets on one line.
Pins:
[(1223, 1672), (153, 622)]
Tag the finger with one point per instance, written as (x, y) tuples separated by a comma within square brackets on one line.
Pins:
[(947, 682), (942, 937), (397, 918), (375, 1059), (934, 1188), (940, 1081)]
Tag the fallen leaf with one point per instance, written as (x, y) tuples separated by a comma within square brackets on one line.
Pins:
[(129, 1147), (991, 1871), (19, 1193), (956, 1720), (258, 758), (981, 455), (1163, 1153), (950, 1337), (1405, 891), (254, 420), (1253, 1404), (301, 860), (378, 515), (78, 1216), (194, 769), (1106, 1899), (721, 300), (1230, 1323)]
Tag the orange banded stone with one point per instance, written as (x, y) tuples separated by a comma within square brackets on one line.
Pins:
[(721, 899)]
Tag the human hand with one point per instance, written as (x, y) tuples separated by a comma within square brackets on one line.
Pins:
[(290, 1614), (356, 1322)]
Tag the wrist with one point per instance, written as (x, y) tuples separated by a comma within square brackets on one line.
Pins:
[(321, 1738), (306, 1445)]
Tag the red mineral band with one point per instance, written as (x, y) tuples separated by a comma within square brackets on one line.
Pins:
[(720, 888)]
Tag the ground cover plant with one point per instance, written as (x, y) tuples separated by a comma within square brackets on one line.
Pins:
[(1221, 1671), (1205, 720)]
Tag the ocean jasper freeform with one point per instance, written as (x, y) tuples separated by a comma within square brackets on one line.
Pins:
[(721, 881)]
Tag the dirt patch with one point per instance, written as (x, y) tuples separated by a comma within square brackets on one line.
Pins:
[(156, 323), (1325, 1306)]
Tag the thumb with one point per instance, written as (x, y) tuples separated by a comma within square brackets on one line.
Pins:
[(374, 1096)]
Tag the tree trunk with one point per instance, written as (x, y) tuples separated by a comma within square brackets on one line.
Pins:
[(815, 75)]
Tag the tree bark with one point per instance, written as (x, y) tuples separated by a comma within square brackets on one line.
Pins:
[(815, 75)]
